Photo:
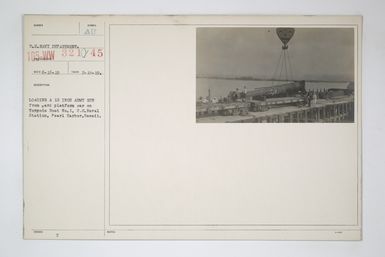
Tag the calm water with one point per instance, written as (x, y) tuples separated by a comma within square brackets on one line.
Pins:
[(222, 87)]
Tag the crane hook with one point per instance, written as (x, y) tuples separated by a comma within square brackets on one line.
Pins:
[(285, 34)]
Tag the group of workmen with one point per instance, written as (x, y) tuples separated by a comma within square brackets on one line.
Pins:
[(312, 96)]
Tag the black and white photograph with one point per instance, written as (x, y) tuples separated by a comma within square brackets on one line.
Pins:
[(275, 75)]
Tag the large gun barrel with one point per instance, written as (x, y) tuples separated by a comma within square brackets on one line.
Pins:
[(288, 89)]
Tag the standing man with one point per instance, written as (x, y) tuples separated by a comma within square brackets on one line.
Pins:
[(315, 98)]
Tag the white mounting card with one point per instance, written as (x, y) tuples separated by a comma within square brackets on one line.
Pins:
[(192, 127)]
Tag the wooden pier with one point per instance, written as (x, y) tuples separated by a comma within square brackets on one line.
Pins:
[(325, 110)]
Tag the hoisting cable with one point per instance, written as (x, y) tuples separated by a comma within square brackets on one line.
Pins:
[(290, 65), (276, 68), (284, 62)]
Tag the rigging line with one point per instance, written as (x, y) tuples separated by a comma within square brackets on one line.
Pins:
[(281, 69), (285, 64), (286, 67), (276, 68), (290, 65)]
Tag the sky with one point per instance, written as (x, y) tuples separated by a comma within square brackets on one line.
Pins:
[(315, 53)]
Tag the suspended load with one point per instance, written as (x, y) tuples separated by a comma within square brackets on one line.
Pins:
[(285, 34), (284, 69)]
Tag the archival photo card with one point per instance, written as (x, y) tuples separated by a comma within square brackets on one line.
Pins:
[(275, 74), (112, 150)]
